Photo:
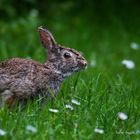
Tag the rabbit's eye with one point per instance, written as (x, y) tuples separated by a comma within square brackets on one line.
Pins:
[(67, 55)]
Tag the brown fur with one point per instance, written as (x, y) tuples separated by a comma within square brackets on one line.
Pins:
[(22, 79)]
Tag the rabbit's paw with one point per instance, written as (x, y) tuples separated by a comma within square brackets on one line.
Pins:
[(7, 98)]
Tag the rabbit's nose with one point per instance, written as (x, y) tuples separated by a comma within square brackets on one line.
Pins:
[(83, 63)]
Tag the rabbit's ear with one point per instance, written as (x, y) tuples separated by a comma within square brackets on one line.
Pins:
[(46, 38)]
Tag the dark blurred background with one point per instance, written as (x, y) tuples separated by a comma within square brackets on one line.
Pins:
[(92, 10)]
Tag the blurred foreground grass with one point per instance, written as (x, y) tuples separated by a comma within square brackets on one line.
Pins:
[(104, 89)]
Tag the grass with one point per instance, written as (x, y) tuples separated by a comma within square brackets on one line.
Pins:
[(103, 90)]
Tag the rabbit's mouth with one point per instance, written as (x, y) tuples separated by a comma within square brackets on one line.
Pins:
[(82, 64), (76, 69)]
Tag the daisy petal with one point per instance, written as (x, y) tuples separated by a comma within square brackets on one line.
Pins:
[(53, 110), (31, 128), (69, 106), (98, 130), (75, 102)]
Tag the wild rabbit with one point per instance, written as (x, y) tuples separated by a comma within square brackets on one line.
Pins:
[(22, 79)]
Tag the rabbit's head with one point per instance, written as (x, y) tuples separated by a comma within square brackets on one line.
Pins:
[(64, 60)]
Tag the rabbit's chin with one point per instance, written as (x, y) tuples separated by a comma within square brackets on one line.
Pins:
[(76, 69), (67, 74)]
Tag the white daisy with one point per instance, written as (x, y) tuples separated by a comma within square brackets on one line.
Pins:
[(69, 106), (128, 64), (134, 46), (53, 110), (122, 116), (75, 102), (98, 130), (2, 132), (31, 128)]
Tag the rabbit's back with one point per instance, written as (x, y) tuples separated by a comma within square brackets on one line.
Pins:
[(17, 66), (19, 76)]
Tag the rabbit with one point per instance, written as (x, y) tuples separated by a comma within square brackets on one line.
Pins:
[(24, 79)]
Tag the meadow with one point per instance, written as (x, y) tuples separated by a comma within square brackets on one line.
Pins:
[(104, 89)]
